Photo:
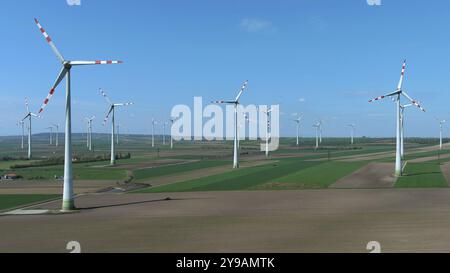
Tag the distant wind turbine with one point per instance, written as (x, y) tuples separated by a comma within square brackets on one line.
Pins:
[(235, 103), (57, 134), (51, 134), (317, 126), (352, 132), (441, 125), (28, 116), (267, 130), (23, 132), (112, 107), (164, 133), (153, 132), (298, 121), (89, 132)]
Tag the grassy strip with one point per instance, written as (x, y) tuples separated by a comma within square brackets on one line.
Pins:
[(422, 175), (8, 201)]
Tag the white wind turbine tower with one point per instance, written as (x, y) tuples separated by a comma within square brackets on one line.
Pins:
[(397, 95), (23, 132), (57, 134), (68, 198), (89, 132), (235, 103), (51, 134), (28, 116), (117, 133), (112, 108), (298, 121), (441, 125), (320, 131), (402, 128), (352, 132)]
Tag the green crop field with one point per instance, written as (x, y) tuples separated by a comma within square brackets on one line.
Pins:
[(421, 175), (286, 174), (79, 172), (8, 201), (144, 174), (315, 177), (289, 167)]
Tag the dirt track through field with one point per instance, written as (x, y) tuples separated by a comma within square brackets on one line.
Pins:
[(428, 158), (402, 220), (445, 169), (372, 176), (381, 155)]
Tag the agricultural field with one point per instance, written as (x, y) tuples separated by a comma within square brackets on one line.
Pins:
[(205, 166), (197, 177)]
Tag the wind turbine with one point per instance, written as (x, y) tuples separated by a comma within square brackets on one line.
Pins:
[(28, 116), (172, 120), (112, 108), (51, 134), (397, 95), (153, 132), (267, 130), (23, 131), (57, 134), (441, 124), (89, 136), (68, 198), (352, 132), (317, 126), (235, 103), (164, 132), (298, 120)]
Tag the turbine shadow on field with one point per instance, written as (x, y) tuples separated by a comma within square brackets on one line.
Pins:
[(422, 173), (137, 203)]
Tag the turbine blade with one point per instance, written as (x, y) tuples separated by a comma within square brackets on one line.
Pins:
[(105, 96), (402, 76), (223, 102), (61, 76), (75, 63), (241, 91), (107, 115), (414, 102), (49, 41), (123, 104), (26, 117), (385, 96)]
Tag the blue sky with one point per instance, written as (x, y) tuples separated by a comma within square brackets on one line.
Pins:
[(325, 58)]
